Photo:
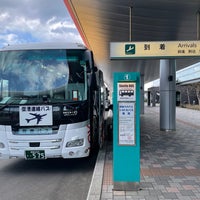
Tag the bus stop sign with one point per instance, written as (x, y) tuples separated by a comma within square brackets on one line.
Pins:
[(126, 132)]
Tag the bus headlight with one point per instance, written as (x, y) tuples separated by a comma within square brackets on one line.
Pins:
[(75, 143)]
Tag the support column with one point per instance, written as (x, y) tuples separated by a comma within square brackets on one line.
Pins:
[(142, 94), (168, 95)]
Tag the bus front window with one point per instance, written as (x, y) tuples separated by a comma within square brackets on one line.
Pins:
[(30, 75)]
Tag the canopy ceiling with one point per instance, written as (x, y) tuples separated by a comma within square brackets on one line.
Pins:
[(103, 21)]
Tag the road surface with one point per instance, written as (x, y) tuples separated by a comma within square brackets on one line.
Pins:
[(52, 179)]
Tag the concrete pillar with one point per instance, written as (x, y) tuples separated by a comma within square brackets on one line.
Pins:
[(168, 95), (141, 94)]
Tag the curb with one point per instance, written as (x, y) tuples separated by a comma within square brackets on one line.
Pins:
[(94, 192)]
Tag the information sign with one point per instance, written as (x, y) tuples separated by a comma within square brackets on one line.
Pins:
[(126, 91), (158, 49), (126, 123)]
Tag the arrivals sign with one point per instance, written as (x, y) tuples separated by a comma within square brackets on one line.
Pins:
[(158, 49)]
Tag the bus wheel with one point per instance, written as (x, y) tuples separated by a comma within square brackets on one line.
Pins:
[(94, 136)]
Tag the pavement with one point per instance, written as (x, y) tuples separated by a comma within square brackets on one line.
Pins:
[(169, 161)]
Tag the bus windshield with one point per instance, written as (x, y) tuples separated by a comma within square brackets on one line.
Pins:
[(37, 76)]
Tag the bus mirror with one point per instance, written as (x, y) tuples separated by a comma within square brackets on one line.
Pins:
[(88, 66), (95, 69), (94, 82), (88, 70)]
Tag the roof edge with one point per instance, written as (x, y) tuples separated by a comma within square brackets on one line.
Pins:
[(72, 12)]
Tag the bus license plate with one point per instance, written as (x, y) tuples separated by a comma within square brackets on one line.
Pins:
[(35, 155)]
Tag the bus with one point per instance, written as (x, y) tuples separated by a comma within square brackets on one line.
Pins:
[(51, 101)]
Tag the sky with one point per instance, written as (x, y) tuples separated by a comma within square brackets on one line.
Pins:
[(28, 21)]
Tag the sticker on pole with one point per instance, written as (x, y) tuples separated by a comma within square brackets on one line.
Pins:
[(38, 115), (126, 123), (126, 91)]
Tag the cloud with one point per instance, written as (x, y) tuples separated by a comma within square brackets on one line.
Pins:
[(36, 21)]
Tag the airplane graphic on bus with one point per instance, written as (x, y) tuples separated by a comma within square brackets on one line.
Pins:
[(37, 117)]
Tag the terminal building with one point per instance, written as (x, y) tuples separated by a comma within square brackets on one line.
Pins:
[(187, 87)]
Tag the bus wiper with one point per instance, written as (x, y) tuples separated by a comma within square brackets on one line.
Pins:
[(7, 104)]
